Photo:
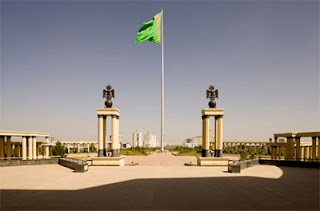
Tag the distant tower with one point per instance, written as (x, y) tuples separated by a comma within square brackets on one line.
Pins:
[(137, 139), (149, 140)]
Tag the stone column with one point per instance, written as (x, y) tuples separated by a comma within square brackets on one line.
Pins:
[(29, 147), (219, 136), (78, 150), (9, 148), (310, 152), (34, 147), (2, 147), (24, 148), (100, 136), (273, 152), (298, 149), (68, 145), (47, 148), (279, 150), (38, 151), (115, 146), (88, 147), (306, 153), (289, 148), (205, 136), (314, 148), (19, 149), (105, 139)]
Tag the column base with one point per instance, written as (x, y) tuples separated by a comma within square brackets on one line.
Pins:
[(205, 153), (115, 153), (218, 153), (100, 152)]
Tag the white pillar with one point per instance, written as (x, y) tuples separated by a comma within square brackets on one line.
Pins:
[(68, 145), (34, 147), (29, 147), (115, 147), (219, 137), (100, 136), (205, 136), (105, 138), (78, 148), (88, 147), (1, 147), (24, 148), (47, 148)]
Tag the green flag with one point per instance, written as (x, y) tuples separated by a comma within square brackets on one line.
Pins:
[(150, 30)]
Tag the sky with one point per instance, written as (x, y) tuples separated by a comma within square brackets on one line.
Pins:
[(58, 56)]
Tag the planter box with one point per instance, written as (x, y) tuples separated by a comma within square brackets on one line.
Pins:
[(76, 165), (237, 166)]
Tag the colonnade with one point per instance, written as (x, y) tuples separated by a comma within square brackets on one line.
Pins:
[(255, 146), (293, 149), (80, 146), (28, 148)]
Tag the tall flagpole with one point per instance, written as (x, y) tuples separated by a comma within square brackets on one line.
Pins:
[(162, 85)]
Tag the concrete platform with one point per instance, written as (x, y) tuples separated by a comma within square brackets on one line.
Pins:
[(107, 161), (212, 161)]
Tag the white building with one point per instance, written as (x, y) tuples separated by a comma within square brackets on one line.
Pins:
[(137, 139), (150, 140)]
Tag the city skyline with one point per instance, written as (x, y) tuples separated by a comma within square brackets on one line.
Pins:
[(57, 57)]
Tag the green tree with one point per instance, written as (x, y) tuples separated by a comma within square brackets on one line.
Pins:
[(58, 149), (243, 155)]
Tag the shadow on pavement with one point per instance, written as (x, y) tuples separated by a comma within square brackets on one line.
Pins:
[(295, 190)]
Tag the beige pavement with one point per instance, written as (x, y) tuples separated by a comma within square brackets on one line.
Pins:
[(48, 187), (155, 159), (161, 159), (166, 159)]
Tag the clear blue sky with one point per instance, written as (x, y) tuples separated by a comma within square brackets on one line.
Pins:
[(58, 56)]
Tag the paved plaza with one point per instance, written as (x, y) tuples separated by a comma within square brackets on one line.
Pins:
[(54, 187)]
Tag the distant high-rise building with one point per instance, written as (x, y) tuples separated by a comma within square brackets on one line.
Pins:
[(150, 140), (137, 139)]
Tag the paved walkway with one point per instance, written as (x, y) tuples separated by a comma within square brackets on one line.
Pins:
[(155, 159), (53, 187), (161, 159)]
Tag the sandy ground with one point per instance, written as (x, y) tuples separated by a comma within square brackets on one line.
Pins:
[(166, 185)]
